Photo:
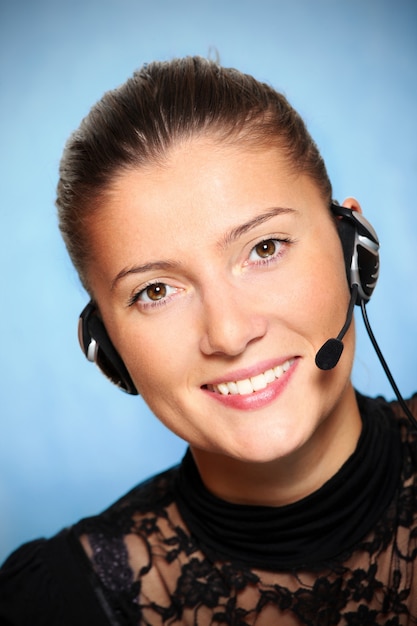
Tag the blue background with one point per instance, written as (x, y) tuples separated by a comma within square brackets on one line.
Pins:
[(70, 443)]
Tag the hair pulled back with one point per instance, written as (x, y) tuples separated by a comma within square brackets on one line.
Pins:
[(162, 103)]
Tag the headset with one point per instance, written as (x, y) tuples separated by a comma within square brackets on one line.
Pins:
[(360, 246), (98, 348)]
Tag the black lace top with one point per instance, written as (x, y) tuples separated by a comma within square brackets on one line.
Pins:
[(171, 553)]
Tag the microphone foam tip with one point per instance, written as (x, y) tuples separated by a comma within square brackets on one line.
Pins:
[(329, 354)]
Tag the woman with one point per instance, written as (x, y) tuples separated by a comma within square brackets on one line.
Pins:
[(198, 213)]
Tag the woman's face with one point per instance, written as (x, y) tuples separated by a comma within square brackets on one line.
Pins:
[(219, 275)]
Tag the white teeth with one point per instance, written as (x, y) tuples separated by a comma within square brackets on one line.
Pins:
[(244, 386), (223, 388), (269, 376), (256, 383), (278, 371)]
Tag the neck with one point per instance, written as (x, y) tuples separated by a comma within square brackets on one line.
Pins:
[(288, 479)]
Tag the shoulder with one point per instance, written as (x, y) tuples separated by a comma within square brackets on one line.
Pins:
[(389, 413), (411, 405), (50, 582), (39, 581), (121, 541), (407, 429)]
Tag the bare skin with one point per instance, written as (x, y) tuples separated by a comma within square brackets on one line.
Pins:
[(211, 272)]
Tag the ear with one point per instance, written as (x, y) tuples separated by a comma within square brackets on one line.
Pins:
[(353, 204)]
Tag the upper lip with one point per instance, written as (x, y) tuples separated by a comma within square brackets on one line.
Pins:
[(248, 372)]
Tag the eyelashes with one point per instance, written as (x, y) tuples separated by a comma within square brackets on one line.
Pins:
[(157, 293), (267, 250), (153, 294)]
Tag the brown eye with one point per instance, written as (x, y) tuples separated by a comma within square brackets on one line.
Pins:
[(266, 248), (156, 291), (153, 295)]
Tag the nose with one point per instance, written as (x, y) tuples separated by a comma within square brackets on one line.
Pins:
[(231, 322)]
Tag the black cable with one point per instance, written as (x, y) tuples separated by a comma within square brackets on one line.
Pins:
[(386, 368), (353, 297)]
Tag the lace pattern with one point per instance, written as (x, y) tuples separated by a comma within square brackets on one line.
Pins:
[(156, 573)]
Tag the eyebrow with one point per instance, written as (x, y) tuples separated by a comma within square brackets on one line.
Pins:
[(240, 230), (141, 269), (226, 240)]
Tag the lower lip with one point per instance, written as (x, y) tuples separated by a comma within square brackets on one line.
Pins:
[(257, 399)]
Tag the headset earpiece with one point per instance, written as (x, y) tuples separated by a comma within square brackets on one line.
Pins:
[(361, 251), (98, 348)]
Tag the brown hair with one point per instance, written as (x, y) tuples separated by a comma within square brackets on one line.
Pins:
[(160, 104)]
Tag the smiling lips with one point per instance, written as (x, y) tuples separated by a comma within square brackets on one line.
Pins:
[(250, 385)]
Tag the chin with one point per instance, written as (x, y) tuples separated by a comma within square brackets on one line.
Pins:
[(267, 449)]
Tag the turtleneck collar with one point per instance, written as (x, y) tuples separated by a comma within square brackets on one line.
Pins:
[(312, 531)]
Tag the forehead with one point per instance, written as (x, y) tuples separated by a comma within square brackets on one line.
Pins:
[(201, 190), (201, 172)]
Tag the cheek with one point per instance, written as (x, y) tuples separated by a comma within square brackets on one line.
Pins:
[(153, 357), (318, 296)]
